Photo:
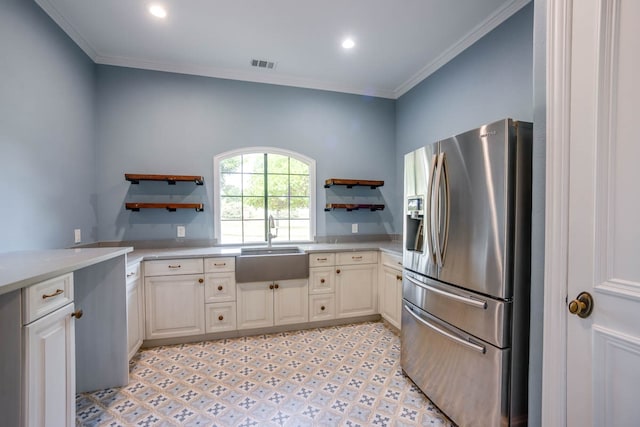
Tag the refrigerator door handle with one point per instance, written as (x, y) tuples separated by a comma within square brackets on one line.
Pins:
[(440, 206), (429, 208), (450, 335), (465, 300)]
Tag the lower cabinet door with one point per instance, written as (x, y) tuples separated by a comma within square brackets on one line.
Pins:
[(49, 380), (255, 304), (356, 290), (220, 316), (391, 296), (134, 317), (174, 306), (291, 301)]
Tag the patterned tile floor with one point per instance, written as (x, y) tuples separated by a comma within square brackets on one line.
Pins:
[(337, 376)]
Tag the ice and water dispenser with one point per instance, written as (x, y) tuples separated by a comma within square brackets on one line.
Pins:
[(414, 223)]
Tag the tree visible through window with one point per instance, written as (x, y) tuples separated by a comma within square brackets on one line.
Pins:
[(254, 185)]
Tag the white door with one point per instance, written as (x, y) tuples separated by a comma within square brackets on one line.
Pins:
[(290, 301), (602, 212), (255, 304)]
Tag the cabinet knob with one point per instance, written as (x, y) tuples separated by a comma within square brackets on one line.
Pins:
[(338, 271), (270, 286), (220, 287), (200, 280), (321, 280), (77, 314), (221, 317), (322, 308), (277, 286), (398, 277)]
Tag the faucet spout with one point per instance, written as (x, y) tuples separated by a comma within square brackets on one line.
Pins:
[(272, 225)]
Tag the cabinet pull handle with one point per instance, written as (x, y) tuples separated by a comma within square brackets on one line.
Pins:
[(175, 266), (220, 265), (201, 280), (356, 257), (270, 286), (321, 259), (322, 308), (219, 288), (338, 271), (321, 280), (277, 286), (399, 262), (55, 294), (221, 317), (131, 274), (77, 314), (398, 277)]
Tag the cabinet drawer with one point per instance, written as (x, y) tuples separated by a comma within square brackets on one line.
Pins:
[(212, 265), (220, 287), (393, 261), (168, 267), (322, 307), (45, 297), (133, 272), (321, 280), (346, 258), (220, 316), (322, 259)]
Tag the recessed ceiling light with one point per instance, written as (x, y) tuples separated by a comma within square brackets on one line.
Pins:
[(348, 43), (158, 11)]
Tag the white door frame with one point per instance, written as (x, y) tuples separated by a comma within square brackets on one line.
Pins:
[(554, 356)]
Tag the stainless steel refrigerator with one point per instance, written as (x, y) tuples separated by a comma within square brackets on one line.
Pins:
[(467, 234)]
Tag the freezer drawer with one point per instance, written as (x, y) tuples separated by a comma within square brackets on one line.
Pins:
[(465, 377), (485, 318)]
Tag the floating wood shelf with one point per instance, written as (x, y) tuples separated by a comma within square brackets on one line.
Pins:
[(352, 207), (171, 207), (350, 183), (171, 179)]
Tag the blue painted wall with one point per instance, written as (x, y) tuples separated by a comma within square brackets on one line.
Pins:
[(155, 122), (490, 80), (47, 152)]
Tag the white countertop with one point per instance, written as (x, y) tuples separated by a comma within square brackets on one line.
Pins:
[(25, 268), (221, 251)]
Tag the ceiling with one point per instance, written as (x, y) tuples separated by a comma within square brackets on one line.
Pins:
[(398, 42)]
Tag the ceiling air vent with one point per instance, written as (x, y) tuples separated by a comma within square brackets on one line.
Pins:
[(263, 63)]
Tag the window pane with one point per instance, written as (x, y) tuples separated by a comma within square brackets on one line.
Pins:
[(299, 185), (278, 185), (253, 207), (299, 230), (232, 164), (230, 231), (254, 231), (230, 208), (300, 207), (298, 167), (253, 185), (253, 163), (230, 184), (277, 163), (279, 207)]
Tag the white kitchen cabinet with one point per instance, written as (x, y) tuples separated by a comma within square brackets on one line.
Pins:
[(174, 305), (322, 307), (220, 294), (264, 304), (220, 316), (49, 381), (135, 310), (356, 284)]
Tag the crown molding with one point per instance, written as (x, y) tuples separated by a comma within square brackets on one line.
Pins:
[(482, 29), (69, 29)]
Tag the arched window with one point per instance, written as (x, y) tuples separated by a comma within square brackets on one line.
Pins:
[(253, 183)]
